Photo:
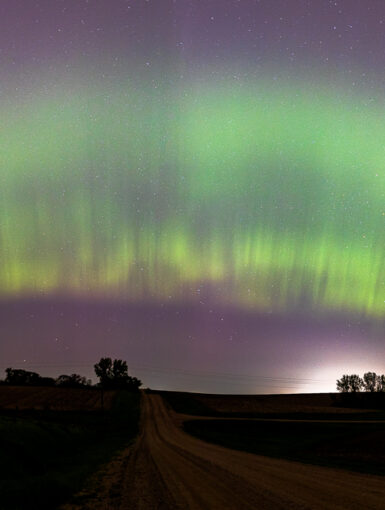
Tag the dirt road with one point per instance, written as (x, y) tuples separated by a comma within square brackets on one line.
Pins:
[(169, 469)]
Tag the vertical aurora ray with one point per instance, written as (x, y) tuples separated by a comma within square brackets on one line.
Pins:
[(193, 186), (271, 197)]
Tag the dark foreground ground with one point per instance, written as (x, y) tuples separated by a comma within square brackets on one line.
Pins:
[(352, 446), (317, 406), (47, 455), (168, 469), (196, 452), (312, 428)]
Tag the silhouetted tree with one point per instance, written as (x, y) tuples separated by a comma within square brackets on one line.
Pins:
[(103, 371), (20, 377), (72, 381), (343, 384), (356, 383), (350, 386), (119, 370), (133, 384), (371, 381), (114, 375), (46, 381), (381, 383), (350, 383)]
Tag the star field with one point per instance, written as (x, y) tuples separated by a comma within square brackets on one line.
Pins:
[(187, 155)]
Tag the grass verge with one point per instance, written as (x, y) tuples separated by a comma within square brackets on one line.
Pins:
[(46, 456)]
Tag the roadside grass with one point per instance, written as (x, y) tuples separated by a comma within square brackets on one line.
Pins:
[(46, 456), (352, 446)]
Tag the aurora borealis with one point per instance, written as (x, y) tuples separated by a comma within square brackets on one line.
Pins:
[(149, 160)]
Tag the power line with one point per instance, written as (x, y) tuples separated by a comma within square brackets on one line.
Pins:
[(177, 372)]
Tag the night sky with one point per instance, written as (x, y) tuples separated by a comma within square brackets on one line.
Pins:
[(197, 187)]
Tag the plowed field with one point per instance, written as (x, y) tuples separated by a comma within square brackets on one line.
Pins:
[(54, 399)]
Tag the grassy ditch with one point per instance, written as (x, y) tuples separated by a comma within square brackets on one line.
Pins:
[(46, 456), (353, 446)]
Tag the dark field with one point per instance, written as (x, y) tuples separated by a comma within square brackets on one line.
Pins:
[(46, 455), (353, 446), (318, 406), (51, 442), (54, 399), (319, 428)]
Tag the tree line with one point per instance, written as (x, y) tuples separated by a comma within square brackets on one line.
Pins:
[(112, 374), (371, 382)]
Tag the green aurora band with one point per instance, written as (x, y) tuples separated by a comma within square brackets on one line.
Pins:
[(266, 198)]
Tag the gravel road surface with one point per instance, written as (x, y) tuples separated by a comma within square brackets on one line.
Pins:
[(168, 469)]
